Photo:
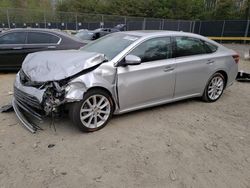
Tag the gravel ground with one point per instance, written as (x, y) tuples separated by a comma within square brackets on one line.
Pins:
[(184, 144)]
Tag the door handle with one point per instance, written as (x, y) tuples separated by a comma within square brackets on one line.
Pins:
[(51, 47), (168, 68), (17, 48), (210, 62)]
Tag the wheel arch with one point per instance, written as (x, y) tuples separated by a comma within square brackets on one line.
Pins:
[(224, 74), (106, 90), (205, 94), (76, 107)]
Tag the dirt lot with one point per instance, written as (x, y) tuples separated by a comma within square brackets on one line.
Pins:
[(185, 144)]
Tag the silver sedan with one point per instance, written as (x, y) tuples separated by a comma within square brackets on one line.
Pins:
[(119, 73)]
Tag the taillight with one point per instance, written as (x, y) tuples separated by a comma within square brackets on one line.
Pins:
[(236, 58)]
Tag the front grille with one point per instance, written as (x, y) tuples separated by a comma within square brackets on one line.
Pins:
[(27, 99)]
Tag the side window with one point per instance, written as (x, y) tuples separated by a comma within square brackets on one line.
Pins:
[(154, 49), (210, 47), (186, 46), (13, 38), (42, 38)]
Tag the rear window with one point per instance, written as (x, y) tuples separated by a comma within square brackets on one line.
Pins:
[(42, 38), (187, 46), (210, 47)]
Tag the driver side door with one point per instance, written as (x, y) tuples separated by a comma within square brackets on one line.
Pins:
[(150, 83)]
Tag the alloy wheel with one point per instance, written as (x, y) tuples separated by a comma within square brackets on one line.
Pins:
[(95, 111), (215, 87)]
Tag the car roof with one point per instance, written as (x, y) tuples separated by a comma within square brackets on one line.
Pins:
[(160, 33), (53, 31), (155, 33), (34, 29)]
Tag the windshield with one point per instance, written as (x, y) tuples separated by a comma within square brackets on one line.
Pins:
[(111, 45)]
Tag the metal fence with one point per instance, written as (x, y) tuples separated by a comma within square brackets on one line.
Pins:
[(21, 18)]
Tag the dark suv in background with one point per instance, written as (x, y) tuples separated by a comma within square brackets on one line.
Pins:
[(17, 43)]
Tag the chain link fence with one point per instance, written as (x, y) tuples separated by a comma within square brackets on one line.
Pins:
[(21, 18)]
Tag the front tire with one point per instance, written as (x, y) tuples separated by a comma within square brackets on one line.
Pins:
[(214, 88), (93, 112)]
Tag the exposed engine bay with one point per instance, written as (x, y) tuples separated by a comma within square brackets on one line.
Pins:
[(54, 96)]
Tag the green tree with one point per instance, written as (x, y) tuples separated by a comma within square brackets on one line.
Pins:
[(246, 10), (6, 3), (210, 4), (169, 9), (225, 9)]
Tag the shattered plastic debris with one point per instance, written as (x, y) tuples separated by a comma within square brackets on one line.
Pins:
[(64, 173), (51, 145), (54, 172), (173, 175), (98, 179), (210, 146), (10, 92), (6, 108), (35, 145)]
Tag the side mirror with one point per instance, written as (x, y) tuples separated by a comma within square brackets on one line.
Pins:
[(132, 60)]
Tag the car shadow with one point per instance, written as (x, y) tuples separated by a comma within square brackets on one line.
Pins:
[(158, 107), (64, 125)]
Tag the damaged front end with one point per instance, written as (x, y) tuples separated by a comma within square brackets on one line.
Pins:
[(54, 96), (36, 100)]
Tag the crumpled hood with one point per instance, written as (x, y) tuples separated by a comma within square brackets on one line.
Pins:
[(57, 65)]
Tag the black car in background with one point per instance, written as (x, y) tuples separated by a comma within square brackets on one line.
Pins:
[(17, 43)]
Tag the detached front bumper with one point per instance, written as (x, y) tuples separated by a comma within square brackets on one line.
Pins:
[(20, 110), (27, 105)]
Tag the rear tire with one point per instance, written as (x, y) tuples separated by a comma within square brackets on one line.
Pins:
[(93, 112), (214, 88)]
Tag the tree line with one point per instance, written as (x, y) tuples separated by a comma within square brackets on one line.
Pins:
[(27, 4), (168, 9)]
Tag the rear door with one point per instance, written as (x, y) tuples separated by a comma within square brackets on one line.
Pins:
[(193, 66), (12, 52), (40, 41)]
